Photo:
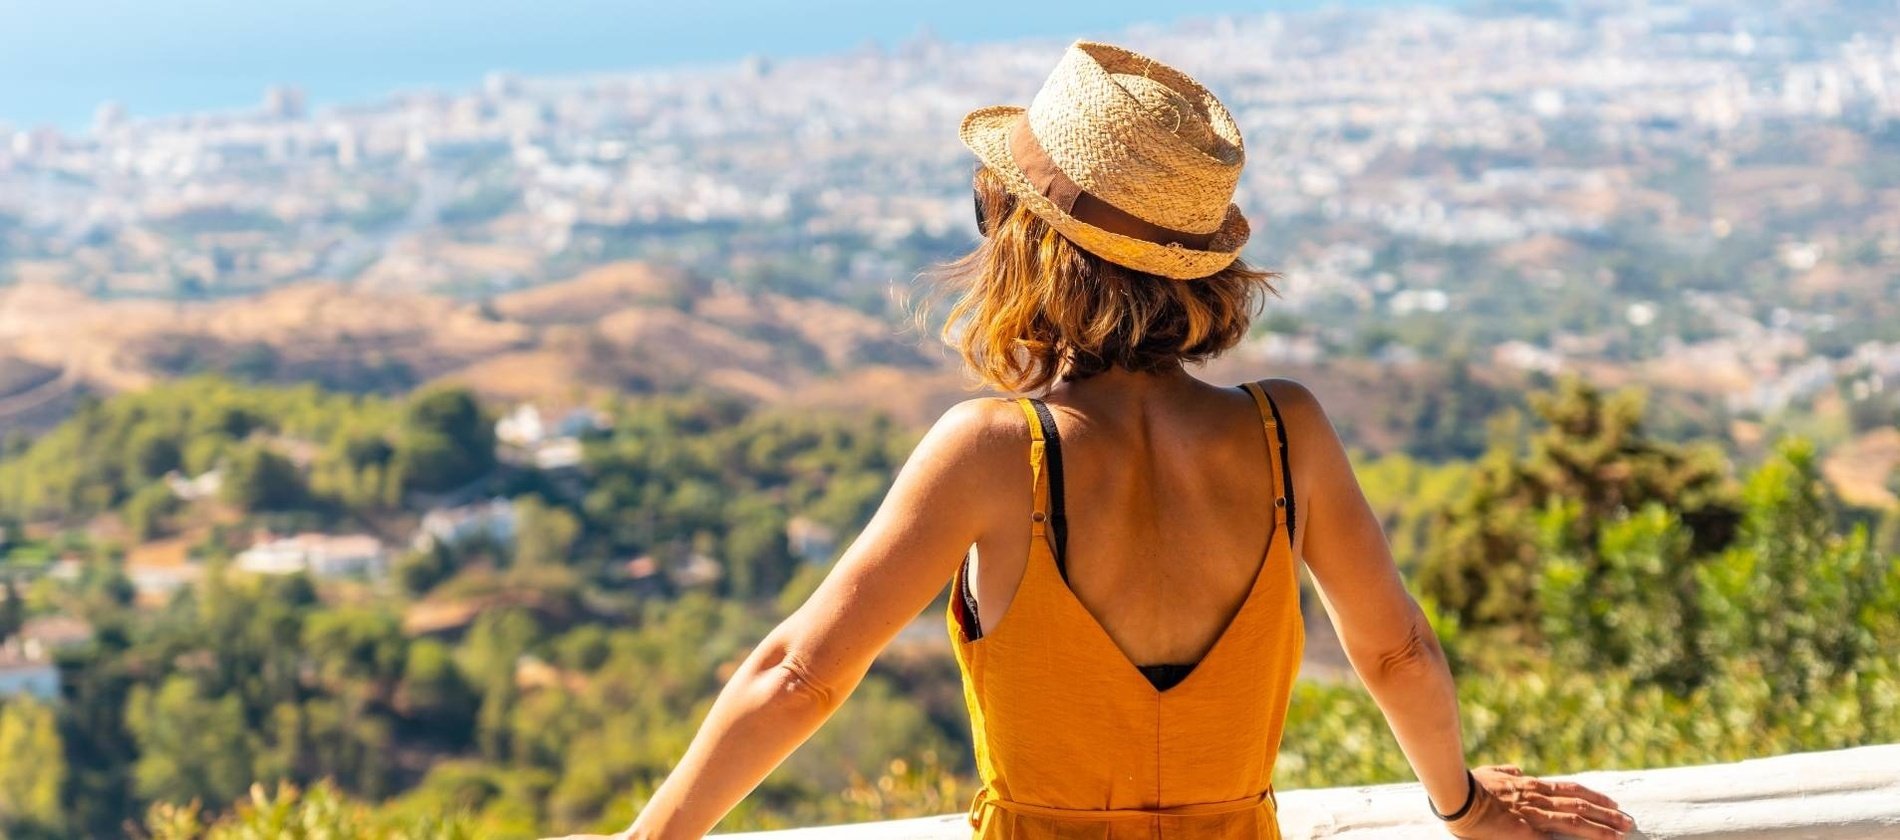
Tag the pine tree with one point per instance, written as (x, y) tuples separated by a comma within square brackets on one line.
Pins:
[(1590, 452)]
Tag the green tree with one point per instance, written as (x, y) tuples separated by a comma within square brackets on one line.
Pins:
[(495, 645), (435, 696), (417, 572), (1795, 600), (758, 559), (146, 511), (12, 608), (258, 479), (544, 534), (1591, 452), (1447, 420), (445, 441), (332, 738), (1638, 611), (150, 453), (358, 651), (191, 746), (34, 772)]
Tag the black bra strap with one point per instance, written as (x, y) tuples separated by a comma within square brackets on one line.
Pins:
[(1052, 456)]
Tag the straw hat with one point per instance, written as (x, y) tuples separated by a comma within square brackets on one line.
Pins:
[(1126, 157)]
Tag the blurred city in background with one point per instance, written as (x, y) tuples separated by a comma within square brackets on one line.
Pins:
[(438, 449)]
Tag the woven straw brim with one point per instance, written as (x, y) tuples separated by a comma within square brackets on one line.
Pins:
[(986, 132)]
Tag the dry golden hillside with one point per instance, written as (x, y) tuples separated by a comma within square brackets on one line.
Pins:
[(609, 288), (313, 330), (618, 327), (1859, 471)]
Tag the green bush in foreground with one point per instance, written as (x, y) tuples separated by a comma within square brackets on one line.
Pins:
[(320, 813), (1787, 640), (1648, 631)]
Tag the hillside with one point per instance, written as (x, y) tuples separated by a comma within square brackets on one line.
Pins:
[(619, 327), (638, 328)]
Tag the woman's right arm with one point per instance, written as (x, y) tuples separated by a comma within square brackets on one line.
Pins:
[(1393, 649)]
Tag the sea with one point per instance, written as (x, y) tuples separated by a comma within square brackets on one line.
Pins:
[(61, 59)]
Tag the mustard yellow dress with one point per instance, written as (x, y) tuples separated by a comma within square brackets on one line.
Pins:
[(1074, 741)]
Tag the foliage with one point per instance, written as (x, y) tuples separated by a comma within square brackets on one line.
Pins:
[(1786, 640), (1443, 416), (320, 813), (34, 771), (148, 509), (1640, 609), (545, 534), (258, 479), (111, 450), (12, 608), (676, 476), (1795, 602), (1592, 452), (1407, 495), (190, 746), (1636, 610), (445, 441), (538, 715)]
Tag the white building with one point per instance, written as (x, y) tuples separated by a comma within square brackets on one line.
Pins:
[(526, 437), (321, 555), (522, 427), (696, 570), (191, 489), (155, 584), (493, 520), (559, 454)]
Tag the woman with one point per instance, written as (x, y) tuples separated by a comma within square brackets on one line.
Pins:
[(1128, 621)]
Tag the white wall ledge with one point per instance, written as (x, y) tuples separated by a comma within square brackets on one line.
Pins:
[(1842, 795)]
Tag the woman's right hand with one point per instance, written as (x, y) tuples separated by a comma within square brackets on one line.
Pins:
[(1513, 806)]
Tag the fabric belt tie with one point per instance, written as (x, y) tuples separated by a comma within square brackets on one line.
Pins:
[(985, 798)]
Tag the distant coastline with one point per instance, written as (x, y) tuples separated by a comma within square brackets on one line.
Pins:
[(211, 55)]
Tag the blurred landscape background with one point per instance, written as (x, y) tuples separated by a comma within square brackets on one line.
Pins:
[(409, 418)]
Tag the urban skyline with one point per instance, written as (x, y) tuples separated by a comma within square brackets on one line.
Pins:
[(211, 55), (1693, 194)]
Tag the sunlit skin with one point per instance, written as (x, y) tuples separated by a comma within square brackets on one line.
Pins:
[(1168, 507)]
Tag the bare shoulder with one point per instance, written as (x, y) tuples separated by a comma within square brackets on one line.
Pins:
[(979, 423), (1300, 412), (1314, 451), (972, 438)]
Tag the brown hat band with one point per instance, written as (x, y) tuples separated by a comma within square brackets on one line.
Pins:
[(1048, 179)]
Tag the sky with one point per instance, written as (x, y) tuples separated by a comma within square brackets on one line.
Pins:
[(60, 58)]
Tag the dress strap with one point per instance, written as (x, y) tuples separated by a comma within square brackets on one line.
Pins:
[(1045, 424), (966, 611), (1038, 510), (1276, 457)]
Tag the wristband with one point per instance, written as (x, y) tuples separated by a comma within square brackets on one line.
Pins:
[(1471, 796)]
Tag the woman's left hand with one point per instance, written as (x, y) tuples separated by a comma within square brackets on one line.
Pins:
[(1512, 804)]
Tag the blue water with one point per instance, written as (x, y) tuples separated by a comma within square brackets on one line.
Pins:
[(60, 58)]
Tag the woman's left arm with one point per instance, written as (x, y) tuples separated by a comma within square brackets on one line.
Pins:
[(806, 667)]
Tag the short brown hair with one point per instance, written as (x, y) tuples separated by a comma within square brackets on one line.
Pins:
[(1032, 306)]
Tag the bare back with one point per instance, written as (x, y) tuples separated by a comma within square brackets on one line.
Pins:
[(1169, 504)]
